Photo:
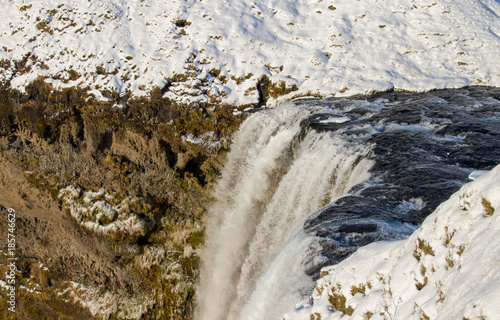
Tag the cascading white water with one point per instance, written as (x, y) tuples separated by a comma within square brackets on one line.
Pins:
[(273, 179)]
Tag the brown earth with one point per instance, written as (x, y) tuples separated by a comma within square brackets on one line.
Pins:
[(45, 233)]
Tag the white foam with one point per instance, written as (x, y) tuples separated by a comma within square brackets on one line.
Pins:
[(271, 182)]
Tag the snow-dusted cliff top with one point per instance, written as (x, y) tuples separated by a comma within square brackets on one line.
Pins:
[(336, 47), (448, 269)]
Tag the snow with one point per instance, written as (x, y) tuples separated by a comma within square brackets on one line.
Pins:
[(448, 269), (100, 216), (103, 304), (4, 285), (340, 47), (336, 120), (476, 174)]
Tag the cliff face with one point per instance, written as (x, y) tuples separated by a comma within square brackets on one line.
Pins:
[(109, 202), (448, 269), (52, 251)]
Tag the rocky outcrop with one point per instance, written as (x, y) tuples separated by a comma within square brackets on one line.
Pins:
[(111, 203)]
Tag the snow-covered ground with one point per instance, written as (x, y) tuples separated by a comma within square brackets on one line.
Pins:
[(217, 50), (448, 269)]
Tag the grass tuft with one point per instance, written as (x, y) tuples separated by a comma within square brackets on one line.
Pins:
[(422, 248), (338, 301), (488, 208)]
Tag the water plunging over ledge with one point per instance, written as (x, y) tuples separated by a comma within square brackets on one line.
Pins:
[(307, 183)]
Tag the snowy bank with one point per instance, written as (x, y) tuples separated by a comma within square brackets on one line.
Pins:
[(448, 269)]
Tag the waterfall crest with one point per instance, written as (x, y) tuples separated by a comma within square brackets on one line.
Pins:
[(277, 173)]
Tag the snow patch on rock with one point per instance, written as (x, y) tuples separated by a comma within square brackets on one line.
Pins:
[(103, 305), (93, 211)]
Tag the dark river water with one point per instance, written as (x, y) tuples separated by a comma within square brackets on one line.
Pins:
[(424, 147)]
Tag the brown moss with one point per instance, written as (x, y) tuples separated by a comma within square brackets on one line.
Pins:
[(44, 26), (39, 90), (488, 208), (181, 23), (280, 88)]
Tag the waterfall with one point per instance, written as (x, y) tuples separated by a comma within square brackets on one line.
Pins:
[(309, 182), (277, 173)]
